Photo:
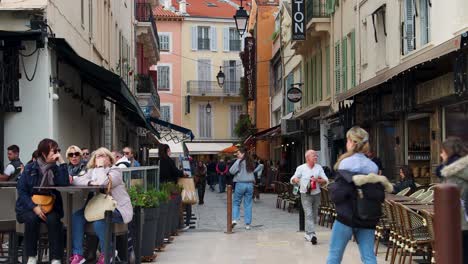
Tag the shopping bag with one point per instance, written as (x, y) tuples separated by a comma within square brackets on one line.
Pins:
[(189, 193)]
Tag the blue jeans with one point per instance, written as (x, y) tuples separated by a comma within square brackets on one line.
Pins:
[(243, 190), (341, 234), (78, 224), (222, 183)]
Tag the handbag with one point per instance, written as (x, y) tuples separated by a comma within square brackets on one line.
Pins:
[(96, 208), (189, 193), (46, 202)]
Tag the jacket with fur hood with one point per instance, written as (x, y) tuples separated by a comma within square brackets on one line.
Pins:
[(457, 173), (343, 194)]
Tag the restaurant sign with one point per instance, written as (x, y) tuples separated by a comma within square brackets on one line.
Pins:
[(294, 95), (299, 20), (250, 66)]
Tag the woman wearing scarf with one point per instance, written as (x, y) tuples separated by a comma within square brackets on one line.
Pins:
[(48, 170), (76, 165)]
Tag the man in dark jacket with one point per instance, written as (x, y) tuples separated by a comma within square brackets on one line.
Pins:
[(15, 167), (211, 169), (222, 171)]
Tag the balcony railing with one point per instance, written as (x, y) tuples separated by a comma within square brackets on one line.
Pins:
[(234, 45), (144, 13), (316, 9), (211, 88), (145, 85)]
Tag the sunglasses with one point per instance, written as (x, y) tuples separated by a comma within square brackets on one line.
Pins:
[(85, 153), (76, 154), (127, 153), (57, 150)]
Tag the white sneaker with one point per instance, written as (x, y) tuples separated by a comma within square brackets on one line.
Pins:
[(55, 261), (32, 260), (185, 229), (247, 227), (234, 223), (307, 237)]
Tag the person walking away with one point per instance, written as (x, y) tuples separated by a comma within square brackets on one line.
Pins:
[(211, 169), (200, 181), (244, 179), (406, 180), (85, 154), (169, 173), (128, 152), (48, 170), (450, 152), (258, 172), (310, 177), (14, 169), (222, 171), (356, 174), (457, 172), (101, 171)]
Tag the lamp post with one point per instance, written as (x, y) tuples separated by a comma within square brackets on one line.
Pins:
[(220, 77), (208, 108), (241, 17)]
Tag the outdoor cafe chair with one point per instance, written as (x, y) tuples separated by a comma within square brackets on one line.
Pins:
[(8, 222), (393, 233), (417, 193), (118, 229), (428, 199), (400, 236), (425, 195), (430, 227), (404, 192)]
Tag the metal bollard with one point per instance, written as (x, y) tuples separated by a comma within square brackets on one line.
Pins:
[(447, 226), (229, 210)]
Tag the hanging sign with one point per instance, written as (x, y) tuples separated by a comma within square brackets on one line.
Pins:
[(250, 68), (294, 95), (298, 20)]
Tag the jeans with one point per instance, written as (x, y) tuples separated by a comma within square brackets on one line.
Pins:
[(31, 233), (341, 234), (201, 186), (212, 180), (78, 224), (244, 190), (188, 214), (222, 183), (310, 204)]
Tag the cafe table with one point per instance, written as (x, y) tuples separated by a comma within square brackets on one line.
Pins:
[(7, 184), (70, 191)]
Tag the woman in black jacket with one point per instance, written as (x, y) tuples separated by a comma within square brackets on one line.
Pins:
[(406, 180), (167, 169)]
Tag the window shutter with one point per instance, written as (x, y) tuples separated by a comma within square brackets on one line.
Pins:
[(409, 26), (327, 68), (226, 39), (319, 77), (238, 72), (314, 78), (353, 58), (337, 67), (311, 81), (242, 43), (227, 76), (194, 38), (424, 21), (213, 39), (344, 63)]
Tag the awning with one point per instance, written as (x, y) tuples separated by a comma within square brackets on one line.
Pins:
[(427, 55), (22, 35), (110, 85), (312, 110), (176, 149), (171, 132), (206, 148), (264, 134)]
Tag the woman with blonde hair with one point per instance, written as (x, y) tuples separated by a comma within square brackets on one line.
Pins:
[(101, 169), (76, 165), (355, 173)]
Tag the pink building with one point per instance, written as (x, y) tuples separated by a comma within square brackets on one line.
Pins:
[(169, 67)]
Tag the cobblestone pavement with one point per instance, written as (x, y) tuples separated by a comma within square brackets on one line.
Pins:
[(274, 238)]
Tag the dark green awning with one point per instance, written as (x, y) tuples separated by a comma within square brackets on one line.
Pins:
[(110, 85)]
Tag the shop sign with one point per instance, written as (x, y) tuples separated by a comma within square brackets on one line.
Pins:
[(294, 95), (299, 20), (250, 68)]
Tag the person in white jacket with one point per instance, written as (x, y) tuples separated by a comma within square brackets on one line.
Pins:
[(310, 176)]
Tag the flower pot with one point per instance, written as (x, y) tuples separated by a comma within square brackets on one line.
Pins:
[(149, 231), (161, 230)]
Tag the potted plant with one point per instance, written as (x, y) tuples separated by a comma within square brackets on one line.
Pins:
[(174, 191)]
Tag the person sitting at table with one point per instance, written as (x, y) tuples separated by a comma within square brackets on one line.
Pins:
[(43, 172), (406, 180), (76, 165), (100, 169)]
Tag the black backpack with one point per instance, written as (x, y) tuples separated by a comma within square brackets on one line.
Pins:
[(368, 202)]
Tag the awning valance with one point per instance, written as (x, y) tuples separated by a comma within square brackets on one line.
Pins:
[(206, 148), (22, 35), (176, 149), (171, 132), (270, 132), (110, 85)]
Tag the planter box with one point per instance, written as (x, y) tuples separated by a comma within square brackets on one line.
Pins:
[(149, 231), (161, 224)]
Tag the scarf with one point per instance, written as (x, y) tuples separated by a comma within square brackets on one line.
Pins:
[(47, 173), (75, 170)]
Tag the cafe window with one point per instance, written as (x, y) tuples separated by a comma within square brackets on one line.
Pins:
[(455, 120)]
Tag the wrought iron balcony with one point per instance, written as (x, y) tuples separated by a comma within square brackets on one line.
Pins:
[(316, 9), (211, 88), (145, 84), (144, 13)]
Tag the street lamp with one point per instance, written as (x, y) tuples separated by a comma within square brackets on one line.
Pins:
[(220, 77), (241, 17), (208, 108)]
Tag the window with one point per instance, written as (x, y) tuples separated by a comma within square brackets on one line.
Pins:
[(344, 63), (277, 73), (164, 42), (204, 122), (164, 77), (234, 40), (409, 40), (289, 104), (424, 6), (203, 38), (353, 58), (363, 40), (337, 67), (236, 111), (232, 71), (166, 113), (204, 75)]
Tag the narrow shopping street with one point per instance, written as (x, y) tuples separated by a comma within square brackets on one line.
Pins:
[(273, 239)]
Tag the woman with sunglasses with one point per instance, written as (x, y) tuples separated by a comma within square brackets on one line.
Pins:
[(101, 170), (49, 169), (76, 165)]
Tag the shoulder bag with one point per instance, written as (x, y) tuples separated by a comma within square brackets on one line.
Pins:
[(45, 201), (96, 208)]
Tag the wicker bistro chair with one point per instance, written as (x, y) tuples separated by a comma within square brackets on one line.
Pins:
[(293, 200), (430, 227), (400, 235), (392, 225), (418, 238), (417, 193), (279, 192), (404, 191), (383, 228), (428, 199), (425, 195), (323, 208)]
